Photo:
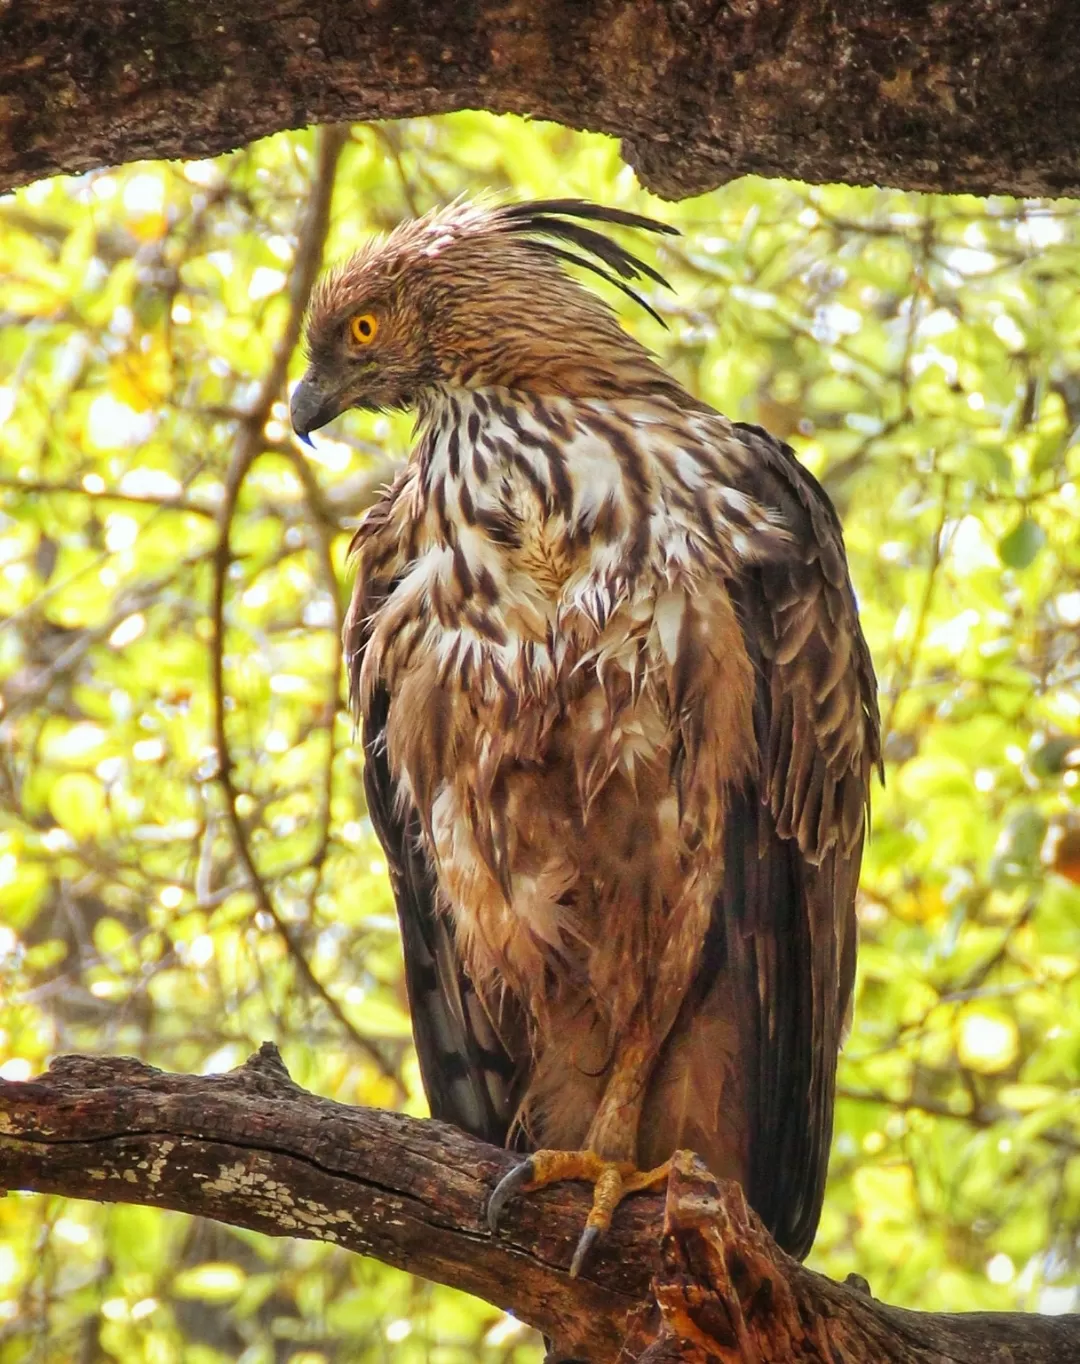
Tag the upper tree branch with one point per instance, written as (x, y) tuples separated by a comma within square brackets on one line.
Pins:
[(975, 95), (693, 1278)]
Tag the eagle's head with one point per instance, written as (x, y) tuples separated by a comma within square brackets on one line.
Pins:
[(468, 296)]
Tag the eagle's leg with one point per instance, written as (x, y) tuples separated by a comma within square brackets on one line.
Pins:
[(607, 1162)]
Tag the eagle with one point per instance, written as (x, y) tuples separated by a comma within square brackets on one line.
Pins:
[(618, 716)]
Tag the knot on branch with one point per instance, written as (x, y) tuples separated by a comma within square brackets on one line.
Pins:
[(725, 1289), (263, 1073)]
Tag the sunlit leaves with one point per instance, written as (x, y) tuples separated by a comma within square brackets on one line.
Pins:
[(920, 353)]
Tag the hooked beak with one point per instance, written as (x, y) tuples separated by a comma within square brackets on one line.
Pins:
[(310, 407)]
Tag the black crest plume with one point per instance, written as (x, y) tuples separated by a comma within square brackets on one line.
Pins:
[(604, 257)]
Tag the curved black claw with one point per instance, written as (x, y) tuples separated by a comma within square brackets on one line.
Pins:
[(506, 1188), (586, 1241)]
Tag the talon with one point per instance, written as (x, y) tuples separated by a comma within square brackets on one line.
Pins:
[(607, 1194), (611, 1180), (586, 1241), (518, 1179)]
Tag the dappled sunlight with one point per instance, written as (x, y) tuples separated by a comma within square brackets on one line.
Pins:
[(920, 353)]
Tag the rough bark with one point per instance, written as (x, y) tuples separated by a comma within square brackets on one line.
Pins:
[(956, 95), (690, 1277)]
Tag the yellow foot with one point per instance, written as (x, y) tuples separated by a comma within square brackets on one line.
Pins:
[(612, 1180)]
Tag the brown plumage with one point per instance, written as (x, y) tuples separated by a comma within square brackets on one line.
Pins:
[(618, 713)]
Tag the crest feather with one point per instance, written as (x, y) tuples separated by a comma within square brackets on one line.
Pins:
[(611, 261)]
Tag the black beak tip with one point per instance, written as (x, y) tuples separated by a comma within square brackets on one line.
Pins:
[(310, 408)]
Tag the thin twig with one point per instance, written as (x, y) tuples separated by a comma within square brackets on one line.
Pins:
[(905, 667), (162, 503), (315, 500), (979, 1115), (250, 443), (391, 141)]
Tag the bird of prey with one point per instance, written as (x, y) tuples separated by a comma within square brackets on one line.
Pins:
[(618, 715)]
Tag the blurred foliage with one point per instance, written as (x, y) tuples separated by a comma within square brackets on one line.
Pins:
[(923, 355)]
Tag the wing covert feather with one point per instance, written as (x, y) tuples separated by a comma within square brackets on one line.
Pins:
[(469, 1075), (794, 839)]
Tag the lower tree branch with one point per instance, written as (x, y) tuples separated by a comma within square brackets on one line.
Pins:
[(693, 1276)]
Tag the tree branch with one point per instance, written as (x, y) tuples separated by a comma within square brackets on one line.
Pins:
[(250, 444), (694, 1277), (975, 95)]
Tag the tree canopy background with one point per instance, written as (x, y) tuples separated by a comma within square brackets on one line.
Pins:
[(922, 354)]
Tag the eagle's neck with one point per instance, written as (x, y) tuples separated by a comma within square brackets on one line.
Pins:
[(535, 493), (528, 535), (563, 488)]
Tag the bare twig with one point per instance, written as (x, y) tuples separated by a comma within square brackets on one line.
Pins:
[(250, 444), (320, 520), (905, 666), (162, 503), (979, 1114)]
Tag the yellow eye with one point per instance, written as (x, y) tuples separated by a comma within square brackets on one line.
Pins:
[(364, 328)]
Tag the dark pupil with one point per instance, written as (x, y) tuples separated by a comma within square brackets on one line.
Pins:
[(365, 328)]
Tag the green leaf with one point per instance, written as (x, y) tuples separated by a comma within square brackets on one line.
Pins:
[(1019, 548)]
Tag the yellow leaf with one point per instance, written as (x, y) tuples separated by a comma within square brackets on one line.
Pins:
[(141, 379), (215, 1281), (1027, 1098), (148, 227), (77, 803)]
